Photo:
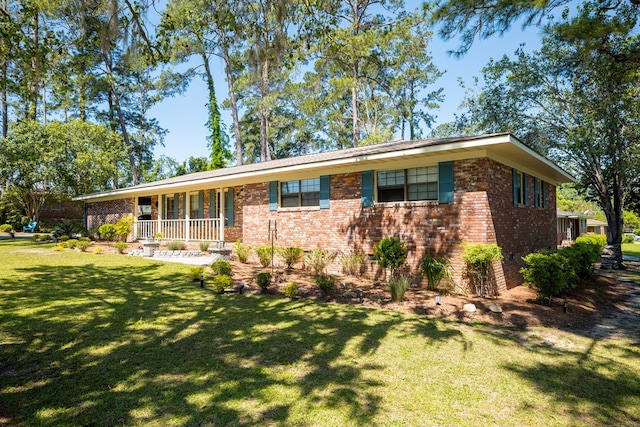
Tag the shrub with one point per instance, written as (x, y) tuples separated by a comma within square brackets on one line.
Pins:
[(204, 246), (58, 247), (479, 258), (547, 271), (221, 282), (71, 243), (196, 272), (243, 252), (597, 239), (265, 255), (326, 283), (69, 228), (173, 245), (83, 245), (98, 250), (263, 279), (107, 231), (353, 262), (319, 259), (7, 228), (398, 285), (291, 290), (123, 228), (627, 238), (581, 257), (121, 246), (221, 266), (64, 238), (158, 235), (391, 252), (435, 270), (290, 255), (35, 238)]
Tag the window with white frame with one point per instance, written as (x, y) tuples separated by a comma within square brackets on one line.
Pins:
[(408, 184), (305, 192)]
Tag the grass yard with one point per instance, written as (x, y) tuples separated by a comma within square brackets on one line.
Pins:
[(106, 340), (631, 249)]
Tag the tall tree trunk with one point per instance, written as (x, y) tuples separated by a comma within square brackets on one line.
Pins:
[(123, 126), (5, 105), (35, 69), (354, 105), (232, 98), (215, 154), (265, 153)]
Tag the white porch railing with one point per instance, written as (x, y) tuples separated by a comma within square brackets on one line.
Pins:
[(181, 229)]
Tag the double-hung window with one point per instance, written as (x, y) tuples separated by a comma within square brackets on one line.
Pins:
[(305, 192), (194, 206), (408, 184)]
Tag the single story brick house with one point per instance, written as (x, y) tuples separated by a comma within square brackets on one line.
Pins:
[(433, 194), (571, 225)]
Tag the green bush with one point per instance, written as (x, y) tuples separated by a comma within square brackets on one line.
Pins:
[(121, 246), (221, 266), (83, 245), (398, 285), (196, 272), (479, 258), (174, 245), (221, 282), (291, 290), (123, 228), (435, 270), (627, 238), (263, 279), (582, 256), (290, 255), (243, 252), (326, 283), (7, 228), (106, 231), (319, 259), (64, 238), (71, 243), (391, 252), (549, 272), (353, 262), (69, 228), (597, 239), (204, 246), (265, 255)]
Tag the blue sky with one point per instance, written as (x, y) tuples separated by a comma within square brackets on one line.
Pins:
[(185, 116)]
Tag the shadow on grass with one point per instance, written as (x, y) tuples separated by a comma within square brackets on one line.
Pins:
[(133, 343), (107, 340)]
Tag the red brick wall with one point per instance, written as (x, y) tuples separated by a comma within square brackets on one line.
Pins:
[(69, 211), (108, 212), (482, 211)]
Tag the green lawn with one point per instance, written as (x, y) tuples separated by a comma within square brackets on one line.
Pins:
[(631, 249), (90, 339)]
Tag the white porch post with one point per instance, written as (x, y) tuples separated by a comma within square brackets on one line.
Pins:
[(135, 218), (160, 213), (187, 215), (222, 210)]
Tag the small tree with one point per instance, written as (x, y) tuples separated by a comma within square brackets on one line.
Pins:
[(123, 228), (479, 258), (391, 252), (435, 270)]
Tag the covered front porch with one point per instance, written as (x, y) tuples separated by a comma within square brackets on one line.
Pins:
[(211, 229)]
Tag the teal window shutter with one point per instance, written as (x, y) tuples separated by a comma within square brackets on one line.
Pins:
[(200, 204), (229, 207), (212, 203), (176, 205), (324, 191), (515, 185), (525, 189), (367, 188), (445, 182), (273, 195)]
